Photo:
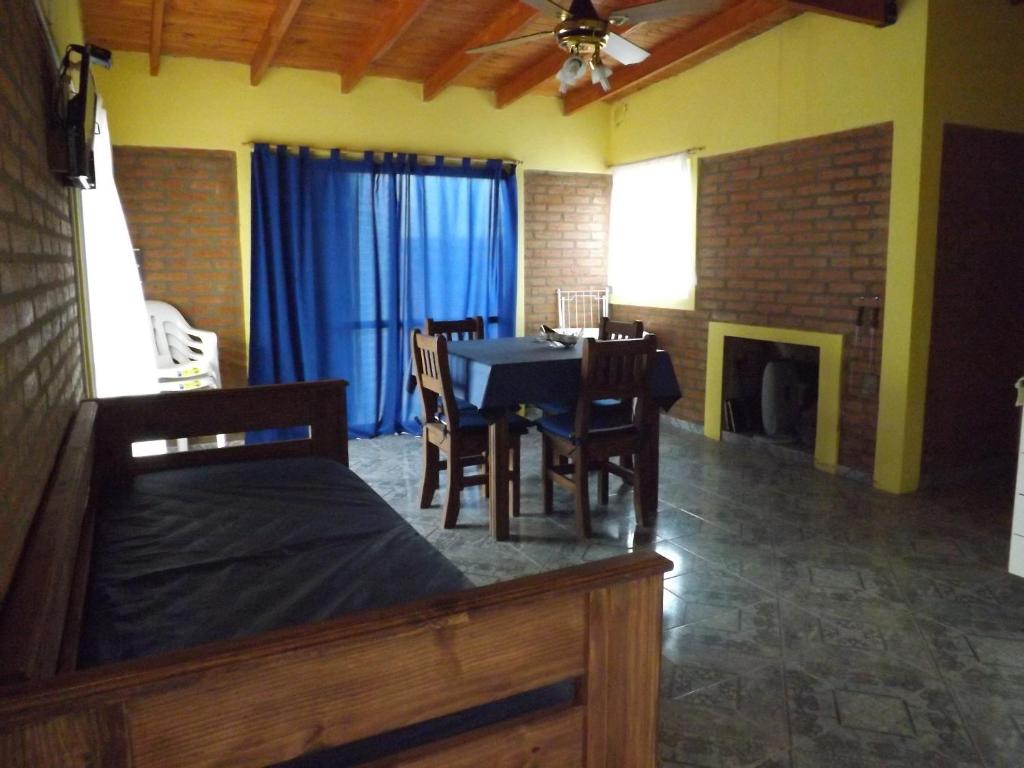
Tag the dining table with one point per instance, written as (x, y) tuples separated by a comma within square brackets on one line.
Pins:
[(499, 375)]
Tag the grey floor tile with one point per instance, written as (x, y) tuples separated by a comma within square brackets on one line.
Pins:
[(870, 705), (723, 640), (863, 749), (735, 722), (698, 580), (823, 575), (986, 656), (996, 723), (810, 621), (732, 552), (893, 633)]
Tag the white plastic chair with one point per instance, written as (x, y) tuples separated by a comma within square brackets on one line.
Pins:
[(186, 357), (580, 311), (182, 352)]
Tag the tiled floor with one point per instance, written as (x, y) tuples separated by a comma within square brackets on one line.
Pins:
[(809, 620)]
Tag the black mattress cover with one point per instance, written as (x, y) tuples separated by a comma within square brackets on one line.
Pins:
[(183, 557)]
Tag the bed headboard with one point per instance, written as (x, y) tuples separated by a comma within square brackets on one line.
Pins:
[(320, 405)]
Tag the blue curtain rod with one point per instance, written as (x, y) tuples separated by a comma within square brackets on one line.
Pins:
[(358, 153)]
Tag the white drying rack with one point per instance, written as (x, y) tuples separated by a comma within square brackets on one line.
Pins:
[(582, 310)]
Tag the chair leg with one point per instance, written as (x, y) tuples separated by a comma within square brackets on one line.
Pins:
[(579, 474), (641, 495), (451, 499), (546, 455), (602, 485), (513, 475), (431, 467)]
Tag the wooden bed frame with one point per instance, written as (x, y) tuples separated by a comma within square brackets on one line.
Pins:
[(273, 697)]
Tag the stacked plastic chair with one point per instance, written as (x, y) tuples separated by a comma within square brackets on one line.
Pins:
[(186, 357)]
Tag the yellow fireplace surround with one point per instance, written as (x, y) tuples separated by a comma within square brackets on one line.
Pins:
[(830, 367)]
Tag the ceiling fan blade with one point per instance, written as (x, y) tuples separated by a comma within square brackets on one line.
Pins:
[(547, 6), (507, 43), (621, 49), (663, 9)]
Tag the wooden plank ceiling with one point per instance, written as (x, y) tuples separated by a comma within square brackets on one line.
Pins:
[(425, 40)]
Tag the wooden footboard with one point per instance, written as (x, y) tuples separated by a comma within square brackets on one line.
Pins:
[(270, 698)]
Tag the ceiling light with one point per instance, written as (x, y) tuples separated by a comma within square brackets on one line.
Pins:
[(600, 72), (571, 71)]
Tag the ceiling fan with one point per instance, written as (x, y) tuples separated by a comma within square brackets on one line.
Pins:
[(584, 35)]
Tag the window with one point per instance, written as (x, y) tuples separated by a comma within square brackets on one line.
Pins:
[(652, 240)]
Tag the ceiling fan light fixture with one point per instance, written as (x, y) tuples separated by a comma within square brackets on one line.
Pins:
[(600, 73), (571, 71)]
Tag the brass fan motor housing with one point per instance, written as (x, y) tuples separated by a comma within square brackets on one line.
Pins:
[(582, 36)]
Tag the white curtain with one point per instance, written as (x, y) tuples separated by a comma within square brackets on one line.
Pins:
[(121, 337), (652, 233)]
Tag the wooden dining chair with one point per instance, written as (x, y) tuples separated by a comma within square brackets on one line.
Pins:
[(456, 330), (467, 329), (607, 330), (610, 329), (577, 442), (462, 436)]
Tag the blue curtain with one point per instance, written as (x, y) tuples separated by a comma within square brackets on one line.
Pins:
[(348, 256)]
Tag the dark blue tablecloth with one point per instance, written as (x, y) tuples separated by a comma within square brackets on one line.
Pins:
[(496, 374)]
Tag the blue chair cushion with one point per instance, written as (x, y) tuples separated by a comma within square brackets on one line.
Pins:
[(554, 409), (473, 420), (465, 406), (601, 420)]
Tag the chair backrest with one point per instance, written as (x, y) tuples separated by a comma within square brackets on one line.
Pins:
[(582, 308), (619, 368), (164, 316), (456, 330), (620, 329), (174, 340), (430, 363)]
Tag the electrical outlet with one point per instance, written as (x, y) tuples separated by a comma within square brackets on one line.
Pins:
[(869, 385)]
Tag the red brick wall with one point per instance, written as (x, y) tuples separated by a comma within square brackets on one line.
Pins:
[(977, 344), (41, 369), (566, 238), (182, 211), (789, 236)]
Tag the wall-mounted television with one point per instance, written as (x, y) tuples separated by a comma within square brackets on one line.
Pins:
[(76, 114)]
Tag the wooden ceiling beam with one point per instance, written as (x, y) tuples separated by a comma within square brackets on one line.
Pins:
[(877, 13), (715, 34), (534, 74), (391, 28), (156, 35), (507, 22), (528, 78), (277, 27)]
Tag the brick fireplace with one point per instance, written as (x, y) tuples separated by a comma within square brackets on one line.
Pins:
[(830, 359), (791, 239)]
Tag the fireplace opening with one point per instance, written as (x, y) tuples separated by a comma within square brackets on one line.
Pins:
[(770, 391)]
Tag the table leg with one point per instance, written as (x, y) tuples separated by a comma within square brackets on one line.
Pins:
[(498, 477)]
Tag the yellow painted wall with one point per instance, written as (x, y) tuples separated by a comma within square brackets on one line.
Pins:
[(810, 76), (65, 20), (211, 105)]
